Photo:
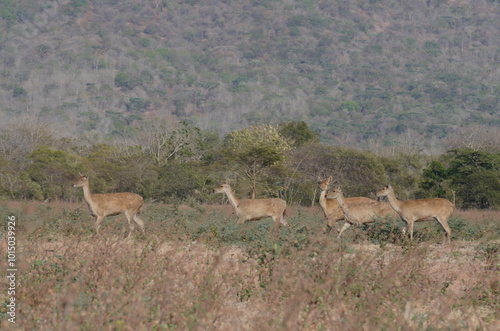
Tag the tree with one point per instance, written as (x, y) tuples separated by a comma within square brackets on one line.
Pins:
[(176, 181), (163, 141), (433, 179), (472, 175), (16, 145), (53, 170), (358, 173), (475, 175), (256, 148), (298, 133), (17, 142)]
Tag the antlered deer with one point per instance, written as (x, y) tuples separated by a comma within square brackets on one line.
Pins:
[(111, 204), (361, 213), (330, 207), (255, 209), (412, 211)]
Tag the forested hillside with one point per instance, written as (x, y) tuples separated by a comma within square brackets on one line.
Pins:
[(361, 73)]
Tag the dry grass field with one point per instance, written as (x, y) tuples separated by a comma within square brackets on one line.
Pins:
[(195, 269)]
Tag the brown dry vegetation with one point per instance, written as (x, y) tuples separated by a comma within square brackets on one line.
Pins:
[(196, 269)]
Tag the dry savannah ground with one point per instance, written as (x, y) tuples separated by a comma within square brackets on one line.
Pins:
[(196, 269)]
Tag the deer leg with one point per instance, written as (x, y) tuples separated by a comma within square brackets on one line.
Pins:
[(345, 227), (139, 222), (405, 229), (98, 221), (330, 225), (447, 230), (410, 225), (283, 221), (327, 229), (130, 224)]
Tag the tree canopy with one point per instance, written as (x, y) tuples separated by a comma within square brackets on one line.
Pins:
[(261, 161), (256, 148)]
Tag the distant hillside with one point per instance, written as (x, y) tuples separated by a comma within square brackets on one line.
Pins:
[(385, 72)]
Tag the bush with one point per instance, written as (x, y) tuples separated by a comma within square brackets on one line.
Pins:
[(74, 7), (384, 231), (19, 92), (461, 229), (124, 80)]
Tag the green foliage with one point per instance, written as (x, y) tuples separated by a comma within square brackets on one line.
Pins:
[(75, 7), (299, 133), (476, 177), (256, 149), (124, 80), (176, 182), (384, 231), (90, 120), (8, 12), (137, 105), (351, 106), (26, 188), (432, 48), (114, 169), (461, 229), (432, 180), (52, 170), (168, 162), (321, 108), (358, 173), (480, 189), (19, 92), (145, 42)]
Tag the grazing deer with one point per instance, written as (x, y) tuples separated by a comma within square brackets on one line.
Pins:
[(412, 211), (255, 209), (330, 207), (360, 213), (111, 204)]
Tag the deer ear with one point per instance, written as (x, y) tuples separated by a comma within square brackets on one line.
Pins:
[(330, 178)]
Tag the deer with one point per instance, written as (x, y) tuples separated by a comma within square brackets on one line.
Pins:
[(411, 211), (111, 204), (360, 213), (255, 209), (330, 207)]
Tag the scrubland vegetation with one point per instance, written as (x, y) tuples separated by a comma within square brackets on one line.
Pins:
[(167, 99), (196, 269), (176, 162), (363, 73)]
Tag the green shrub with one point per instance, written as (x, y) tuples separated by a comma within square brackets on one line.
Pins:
[(19, 92), (74, 7), (461, 229), (384, 231)]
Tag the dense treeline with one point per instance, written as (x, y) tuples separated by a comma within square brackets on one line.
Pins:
[(361, 73), (175, 163)]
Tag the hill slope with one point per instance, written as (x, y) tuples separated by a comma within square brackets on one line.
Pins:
[(354, 70)]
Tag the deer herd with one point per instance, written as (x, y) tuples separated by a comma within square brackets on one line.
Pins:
[(336, 207)]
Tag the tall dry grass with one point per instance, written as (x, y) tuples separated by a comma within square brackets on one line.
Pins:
[(196, 269)]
